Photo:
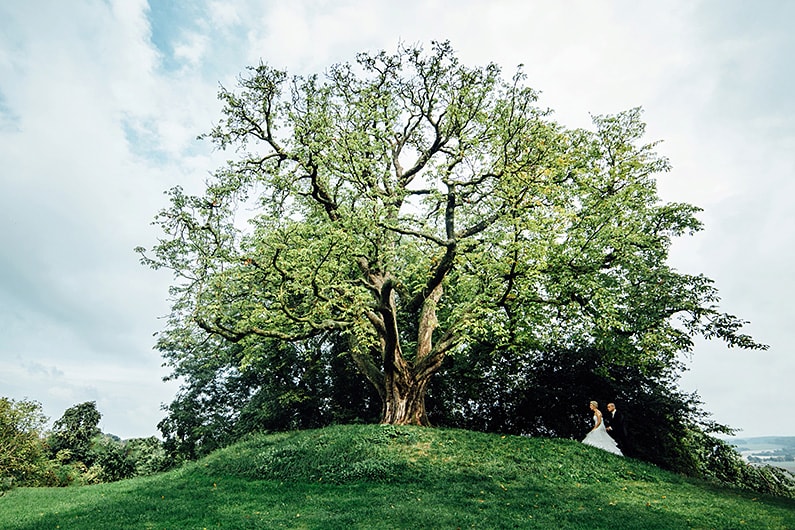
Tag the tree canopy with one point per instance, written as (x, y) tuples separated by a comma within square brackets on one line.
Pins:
[(74, 431), (414, 205), (21, 452)]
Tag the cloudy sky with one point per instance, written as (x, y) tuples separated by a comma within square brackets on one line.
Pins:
[(101, 103)]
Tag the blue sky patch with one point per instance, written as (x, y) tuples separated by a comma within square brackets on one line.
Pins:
[(169, 21)]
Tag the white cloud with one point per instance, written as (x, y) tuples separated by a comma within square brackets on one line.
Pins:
[(191, 48), (224, 14)]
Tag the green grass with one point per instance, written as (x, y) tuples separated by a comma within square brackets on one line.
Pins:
[(376, 476)]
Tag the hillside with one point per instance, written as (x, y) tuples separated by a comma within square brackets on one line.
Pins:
[(375, 476)]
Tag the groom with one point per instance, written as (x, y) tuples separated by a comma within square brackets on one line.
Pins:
[(614, 424)]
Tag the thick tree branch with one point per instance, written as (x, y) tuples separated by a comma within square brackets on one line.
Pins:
[(386, 308)]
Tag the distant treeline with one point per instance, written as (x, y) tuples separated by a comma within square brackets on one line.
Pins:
[(760, 443)]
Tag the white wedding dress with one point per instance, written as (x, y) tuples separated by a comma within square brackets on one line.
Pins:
[(599, 438)]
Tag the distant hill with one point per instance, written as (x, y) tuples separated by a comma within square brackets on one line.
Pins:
[(376, 476), (756, 441), (776, 451)]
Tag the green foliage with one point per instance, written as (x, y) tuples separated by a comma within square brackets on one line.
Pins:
[(287, 386), (413, 205), (60, 474), (148, 456), (408, 209), (73, 459), (22, 452), (75, 431), (111, 460), (443, 478), (717, 460), (546, 393)]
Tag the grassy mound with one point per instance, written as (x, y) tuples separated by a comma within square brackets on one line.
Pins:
[(399, 455), (376, 476)]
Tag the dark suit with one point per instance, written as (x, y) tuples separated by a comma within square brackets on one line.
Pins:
[(616, 428)]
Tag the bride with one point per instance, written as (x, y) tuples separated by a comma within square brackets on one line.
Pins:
[(598, 436)]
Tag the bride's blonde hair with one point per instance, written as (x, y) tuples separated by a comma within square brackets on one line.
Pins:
[(595, 404)]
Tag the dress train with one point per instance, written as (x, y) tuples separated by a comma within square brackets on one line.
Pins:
[(599, 438)]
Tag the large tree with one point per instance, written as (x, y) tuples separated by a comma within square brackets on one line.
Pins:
[(22, 454), (74, 432), (414, 204)]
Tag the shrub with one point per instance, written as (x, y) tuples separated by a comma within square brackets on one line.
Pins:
[(22, 450), (111, 461)]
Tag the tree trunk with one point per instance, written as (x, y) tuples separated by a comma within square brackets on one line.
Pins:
[(403, 384), (404, 402)]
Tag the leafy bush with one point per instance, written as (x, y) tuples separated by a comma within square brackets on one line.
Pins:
[(75, 431), (148, 456), (286, 386), (5, 484), (76, 452), (111, 461), (717, 460), (22, 451)]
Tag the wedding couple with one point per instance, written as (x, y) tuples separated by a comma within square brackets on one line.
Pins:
[(609, 432)]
